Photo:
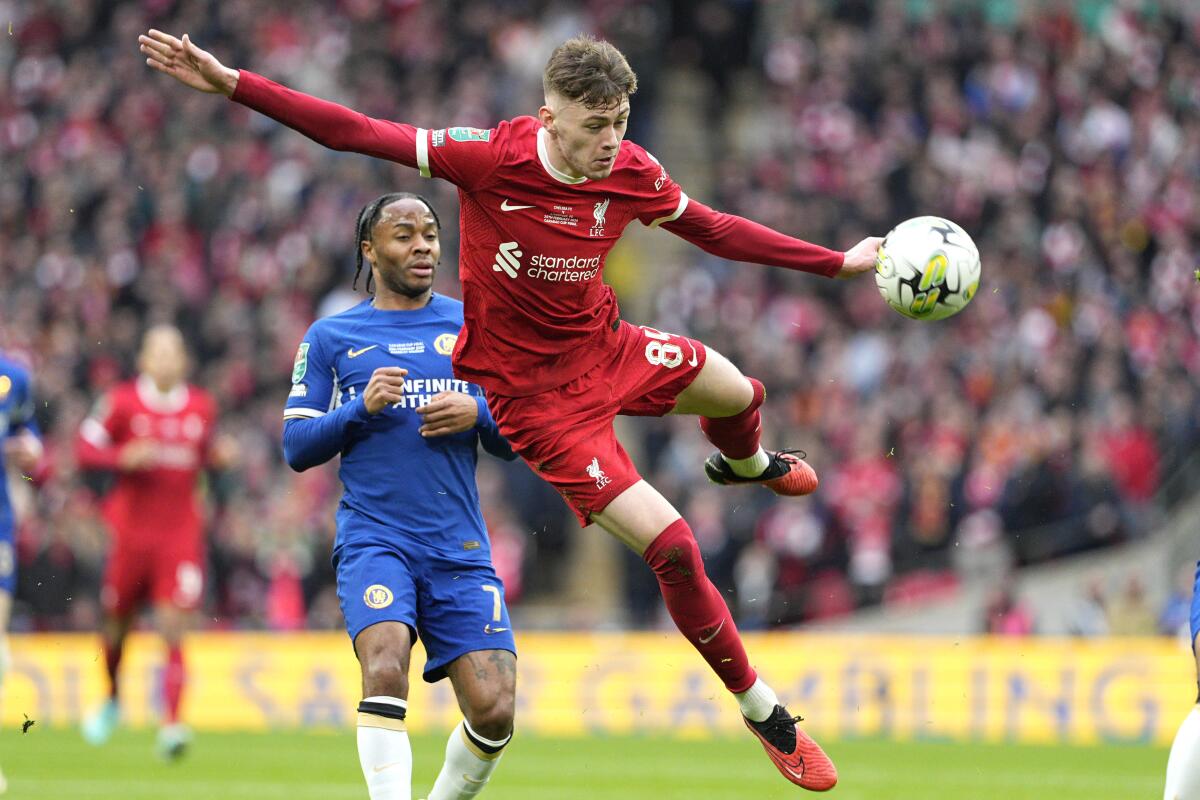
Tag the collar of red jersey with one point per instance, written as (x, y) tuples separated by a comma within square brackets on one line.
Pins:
[(162, 402), (544, 157)]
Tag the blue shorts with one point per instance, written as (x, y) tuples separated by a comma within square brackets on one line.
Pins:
[(455, 605), (8, 555), (1196, 605)]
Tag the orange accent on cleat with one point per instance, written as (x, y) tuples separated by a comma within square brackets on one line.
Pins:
[(800, 479), (806, 765)]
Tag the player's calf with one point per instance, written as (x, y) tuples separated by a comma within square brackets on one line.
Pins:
[(696, 606), (485, 684), (384, 751)]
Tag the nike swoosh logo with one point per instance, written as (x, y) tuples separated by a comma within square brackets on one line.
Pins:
[(489, 629), (506, 206), (388, 766), (695, 359), (713, 635), (352, 353), (469, 779)]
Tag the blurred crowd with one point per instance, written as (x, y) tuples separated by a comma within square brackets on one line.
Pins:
[(1048, 418)]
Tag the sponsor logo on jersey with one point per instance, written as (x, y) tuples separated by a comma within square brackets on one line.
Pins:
[(352, 353), (301, 365), (377, 596), (563, 270), (444, 344), (469, 134), (594, 471), (489, 628), (556, 269), (508, 259), (438, 137), (507, 206), (598, 211), (5, 386), (421, 391), (406, 348), (298, 390)]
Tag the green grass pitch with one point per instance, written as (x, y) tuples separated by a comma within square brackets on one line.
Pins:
[(55, 763)]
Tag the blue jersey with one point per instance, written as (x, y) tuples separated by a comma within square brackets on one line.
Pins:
[(423, 488), (16, 415), (1195, 615)]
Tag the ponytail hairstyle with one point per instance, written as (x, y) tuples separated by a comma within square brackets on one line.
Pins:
[(367, 218)]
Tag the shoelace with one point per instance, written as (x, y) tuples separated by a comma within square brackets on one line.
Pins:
[(779, 725), (782, 465)]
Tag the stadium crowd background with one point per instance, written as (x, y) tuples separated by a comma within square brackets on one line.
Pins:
[(1065, 136)]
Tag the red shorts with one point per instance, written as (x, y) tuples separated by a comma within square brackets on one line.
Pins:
[(137, 575), (566, 434)]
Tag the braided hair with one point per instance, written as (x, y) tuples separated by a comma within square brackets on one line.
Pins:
[(367, 218)]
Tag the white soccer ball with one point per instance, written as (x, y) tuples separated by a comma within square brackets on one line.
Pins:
[(927, 268)]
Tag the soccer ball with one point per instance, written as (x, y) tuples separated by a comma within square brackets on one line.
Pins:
[(927, 268)]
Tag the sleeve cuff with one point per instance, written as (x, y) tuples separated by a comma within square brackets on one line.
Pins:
[(484, 414), (360, 410)]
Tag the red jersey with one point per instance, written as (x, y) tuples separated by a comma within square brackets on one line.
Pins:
[(533, 239), (158, 502)]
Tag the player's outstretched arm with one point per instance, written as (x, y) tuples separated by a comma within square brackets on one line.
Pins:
[(328, 124), (739, 239), (187, 63)]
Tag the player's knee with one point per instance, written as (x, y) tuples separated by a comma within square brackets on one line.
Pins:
[(494, 718), (384, 674), (674, 555)]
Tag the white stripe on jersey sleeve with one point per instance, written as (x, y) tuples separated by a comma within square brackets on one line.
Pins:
[(423, 152), (94, 433), (302, 413), (683, 201)]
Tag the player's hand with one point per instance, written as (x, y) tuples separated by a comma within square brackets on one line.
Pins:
[(225, 452), (860, 258), (23, 451), (187, 63), (138, 454), (448, 412), (385, 387)]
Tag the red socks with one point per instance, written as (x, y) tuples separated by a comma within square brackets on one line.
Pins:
[(112, 662), (696, 606), (738, 436), (173, 680)]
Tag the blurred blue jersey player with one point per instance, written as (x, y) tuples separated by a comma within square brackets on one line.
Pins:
[(20, 448), (1183, 765), (412, 555)]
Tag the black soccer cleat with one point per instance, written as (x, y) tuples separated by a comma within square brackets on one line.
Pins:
[(788, 474)]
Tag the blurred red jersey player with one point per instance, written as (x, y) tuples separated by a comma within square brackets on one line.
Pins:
[(157, 434)]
